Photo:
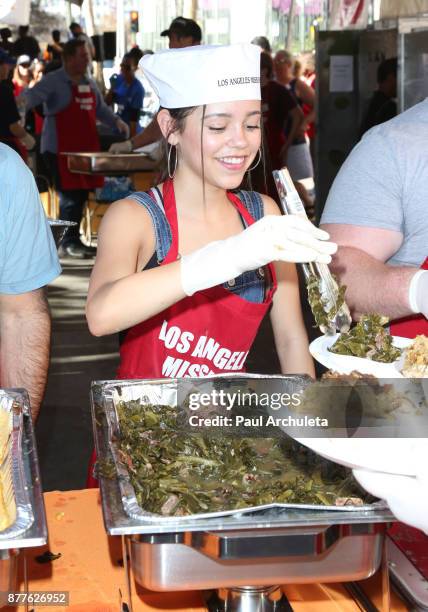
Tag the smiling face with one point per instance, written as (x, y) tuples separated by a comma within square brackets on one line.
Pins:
[(231, 138)]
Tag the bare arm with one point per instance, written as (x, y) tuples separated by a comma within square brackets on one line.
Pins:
[(372, 284), (108, 98), (150, 134), (25, 328), (132, 128), (104, 113), (309, 118), (291, 340), (17, 130), (120, 295), (305, 92), (307, 95)]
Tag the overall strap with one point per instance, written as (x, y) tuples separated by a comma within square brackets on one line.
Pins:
[(152, 202), (253, 203)]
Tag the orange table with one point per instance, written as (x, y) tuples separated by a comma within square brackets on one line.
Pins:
[(88, 568)]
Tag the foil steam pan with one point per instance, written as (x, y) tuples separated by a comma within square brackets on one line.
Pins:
[(165, 391), (106, 163), (16, 514)]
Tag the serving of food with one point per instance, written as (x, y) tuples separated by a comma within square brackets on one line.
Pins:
[(177, 473), (368, 348), (320, 349), (368, 339), (415, 363), (7, 513)]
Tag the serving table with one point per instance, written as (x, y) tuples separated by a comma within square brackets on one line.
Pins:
[(91, 569)]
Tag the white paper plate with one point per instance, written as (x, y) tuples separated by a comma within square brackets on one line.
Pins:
[(343, 364), (390, 455)]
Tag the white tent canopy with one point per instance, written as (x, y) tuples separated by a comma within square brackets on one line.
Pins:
[(348, 14), (15, 12), (390, 9)]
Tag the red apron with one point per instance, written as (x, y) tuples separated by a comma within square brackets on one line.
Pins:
[(412, 542), (208, 333), (77, 132)]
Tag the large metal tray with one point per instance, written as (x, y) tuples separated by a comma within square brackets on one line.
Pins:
[(29, 528), (109, 163), (16, 499), (122, 513)]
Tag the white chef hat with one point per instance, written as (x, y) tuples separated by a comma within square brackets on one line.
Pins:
[(204, 74)]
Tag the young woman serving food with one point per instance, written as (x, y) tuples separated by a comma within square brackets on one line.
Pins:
[(188, 270)]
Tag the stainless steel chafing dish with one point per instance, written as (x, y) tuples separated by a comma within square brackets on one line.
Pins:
[(267, 547), (23, 514), (59, 229), (109, 163)]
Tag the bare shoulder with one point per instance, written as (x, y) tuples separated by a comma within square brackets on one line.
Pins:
[(126, 233), (128, 216), (127, 207), (270, 206)]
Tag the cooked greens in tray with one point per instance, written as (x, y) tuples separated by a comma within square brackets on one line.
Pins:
[(368, 339), (176, 473)]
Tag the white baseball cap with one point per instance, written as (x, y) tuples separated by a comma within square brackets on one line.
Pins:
[(23, 59), (204, 74)]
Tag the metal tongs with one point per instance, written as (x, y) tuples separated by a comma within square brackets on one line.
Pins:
[(292, 205)]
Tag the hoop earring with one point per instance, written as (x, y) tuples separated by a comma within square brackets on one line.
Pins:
[(172, 174), (257, 163)]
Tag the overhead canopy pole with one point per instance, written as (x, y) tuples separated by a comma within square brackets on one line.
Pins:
[(120, 29), (290, 30), (88, 12), (68, 8)]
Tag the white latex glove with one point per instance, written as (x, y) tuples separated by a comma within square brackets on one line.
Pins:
[(121, 147), (272, 238), (406, 496), (418, 292), (28, 141), (122, 127)]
